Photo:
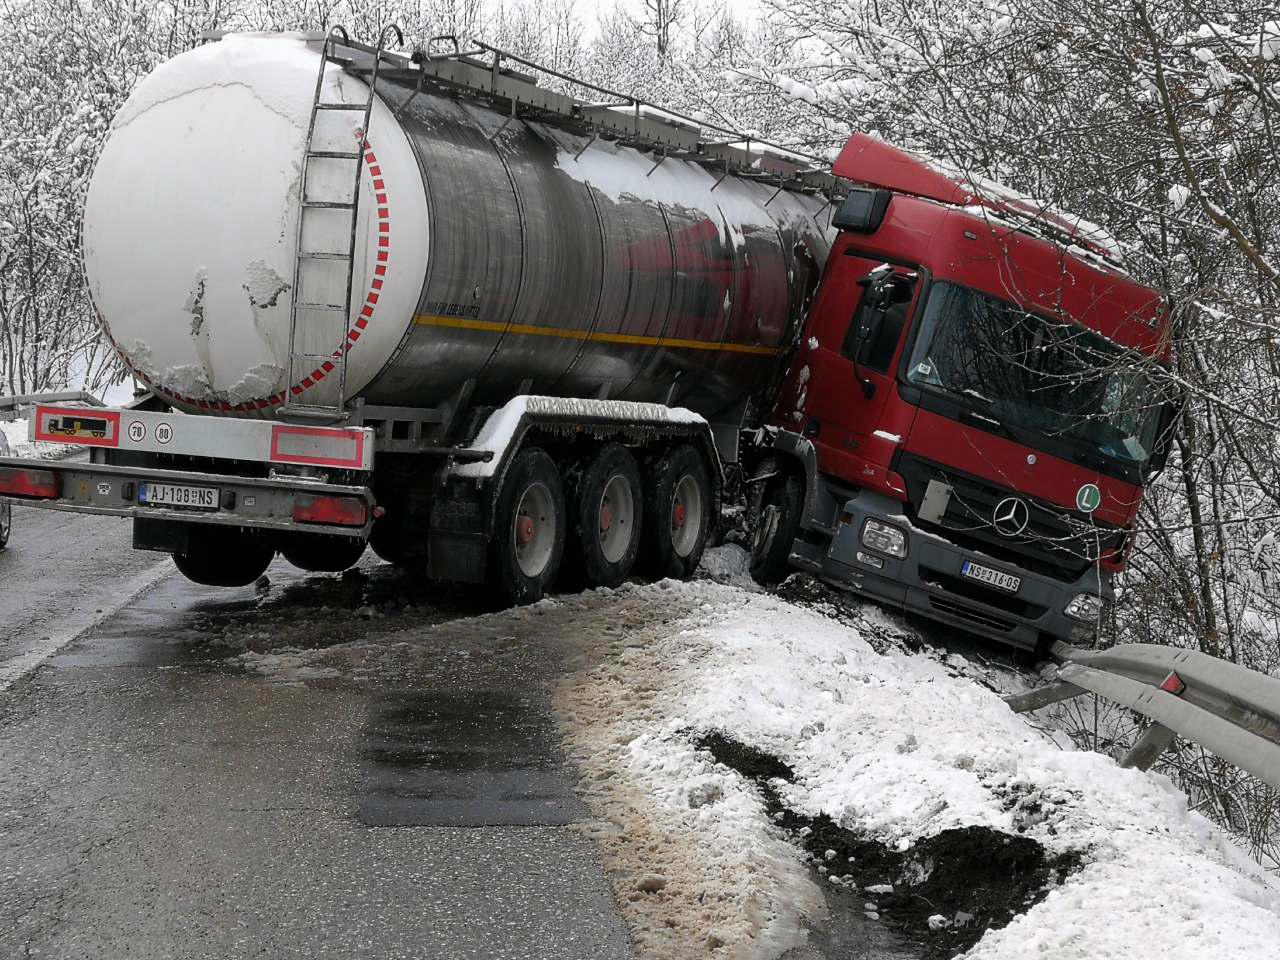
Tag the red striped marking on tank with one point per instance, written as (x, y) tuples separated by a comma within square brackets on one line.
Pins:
[(383, 218)]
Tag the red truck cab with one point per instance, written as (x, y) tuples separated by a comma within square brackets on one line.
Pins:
[(971, 409)]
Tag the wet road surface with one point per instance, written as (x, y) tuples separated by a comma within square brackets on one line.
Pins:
[(60, 572), (179, 782), (354, 766)]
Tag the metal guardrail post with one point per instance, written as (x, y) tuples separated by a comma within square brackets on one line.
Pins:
[(1155, 740)]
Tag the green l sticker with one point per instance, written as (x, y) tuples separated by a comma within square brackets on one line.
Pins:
[(1088, 498)]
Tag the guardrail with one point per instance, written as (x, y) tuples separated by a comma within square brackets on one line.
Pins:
[(1228, 709), (9, 406)]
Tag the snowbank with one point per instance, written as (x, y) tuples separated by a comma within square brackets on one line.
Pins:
[(15, 434), (898, 748)]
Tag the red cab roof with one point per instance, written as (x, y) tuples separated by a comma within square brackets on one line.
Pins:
[(867, 159)]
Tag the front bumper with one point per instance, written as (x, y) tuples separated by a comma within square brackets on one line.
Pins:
[(929, 582)]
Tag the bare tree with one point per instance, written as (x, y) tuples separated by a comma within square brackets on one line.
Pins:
[(661, 17)]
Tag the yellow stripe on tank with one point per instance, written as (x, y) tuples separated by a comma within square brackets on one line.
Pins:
[(631, 339)]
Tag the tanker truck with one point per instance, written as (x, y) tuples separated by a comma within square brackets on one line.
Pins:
[(505, 335)]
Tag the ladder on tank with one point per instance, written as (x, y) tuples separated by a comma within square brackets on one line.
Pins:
[(310, 369)]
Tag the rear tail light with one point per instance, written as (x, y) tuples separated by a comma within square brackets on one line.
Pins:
[(338, 511), (16, 482)]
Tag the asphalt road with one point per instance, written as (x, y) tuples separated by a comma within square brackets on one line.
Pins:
[(161, 798), (355, 766), (60, 573)]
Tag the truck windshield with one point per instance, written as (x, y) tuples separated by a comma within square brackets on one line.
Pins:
[(1019, 369)]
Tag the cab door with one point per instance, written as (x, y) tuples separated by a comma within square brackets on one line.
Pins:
[(844, 395)]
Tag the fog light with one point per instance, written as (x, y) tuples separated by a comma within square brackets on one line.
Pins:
[(1086, 608), (870, 561), (884, 538)]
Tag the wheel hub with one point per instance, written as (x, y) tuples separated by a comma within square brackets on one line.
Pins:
[(617, 518), (524, 530), (687, 505), (534, 529)]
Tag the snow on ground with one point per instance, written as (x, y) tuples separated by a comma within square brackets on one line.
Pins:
[(16, 432), (728, 564), (696, 865), (892, 746), (287, 665), (897, 748)]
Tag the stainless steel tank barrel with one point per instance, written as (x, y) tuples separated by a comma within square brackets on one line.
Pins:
[(514, 255)]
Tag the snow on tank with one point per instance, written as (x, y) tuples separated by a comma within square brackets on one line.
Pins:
[(191, 218)]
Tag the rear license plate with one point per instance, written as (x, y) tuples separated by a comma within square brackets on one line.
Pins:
[(992, 578), (178, 495)]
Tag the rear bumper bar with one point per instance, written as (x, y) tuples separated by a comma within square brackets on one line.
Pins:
[(248, 502), (929, 582)]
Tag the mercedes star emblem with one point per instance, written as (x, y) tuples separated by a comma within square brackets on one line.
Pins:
[(1010, 517)]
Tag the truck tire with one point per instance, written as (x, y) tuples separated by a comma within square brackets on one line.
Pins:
[(316, 553), (606, 509), (221, 557), (529, 525), (6, 523), (677, 513), (775, 524)]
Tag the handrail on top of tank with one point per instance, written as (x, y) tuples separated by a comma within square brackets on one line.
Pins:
[(633, 101), (739, 141), (451, 37)]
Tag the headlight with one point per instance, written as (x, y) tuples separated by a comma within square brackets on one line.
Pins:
[(885, 538), (1086, 608)]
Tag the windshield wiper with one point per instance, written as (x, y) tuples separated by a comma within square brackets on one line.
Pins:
[(970, 392), (982, 420), (1108, 463)]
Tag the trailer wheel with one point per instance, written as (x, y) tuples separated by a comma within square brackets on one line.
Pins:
[(528, 528), (775, 526), (385, 542), (220, 557), (677, 514), (316, 553), (606, 507)]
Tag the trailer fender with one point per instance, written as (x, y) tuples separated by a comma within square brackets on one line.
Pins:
[(503, 433)]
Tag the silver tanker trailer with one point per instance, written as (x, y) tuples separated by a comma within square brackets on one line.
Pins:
[(428, 304)]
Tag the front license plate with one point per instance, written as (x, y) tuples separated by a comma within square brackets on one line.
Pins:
[(178, 495), (993, 578)]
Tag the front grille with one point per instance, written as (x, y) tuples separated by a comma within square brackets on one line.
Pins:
[(1057, 542), (965, 612), (963, 587)]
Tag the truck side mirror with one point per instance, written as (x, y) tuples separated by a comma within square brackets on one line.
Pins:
[(863, 210), (1169, 415)]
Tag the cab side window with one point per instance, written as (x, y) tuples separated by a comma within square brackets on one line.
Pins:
[(886, 342)]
